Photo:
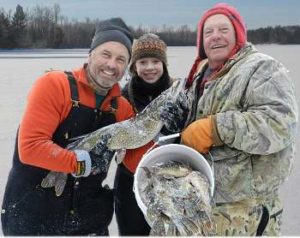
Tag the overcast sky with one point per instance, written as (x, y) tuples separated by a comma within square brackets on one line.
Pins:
[(256, 13)]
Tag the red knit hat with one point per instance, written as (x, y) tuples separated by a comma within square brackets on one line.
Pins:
[(238, 24)]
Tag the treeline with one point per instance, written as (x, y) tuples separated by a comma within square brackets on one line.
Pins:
[(45, 27), (276, 35)]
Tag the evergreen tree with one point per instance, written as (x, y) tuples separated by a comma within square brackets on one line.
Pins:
[(18, 26), (4, 31)]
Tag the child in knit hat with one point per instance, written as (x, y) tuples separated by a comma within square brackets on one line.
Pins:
[(148, 69), (149, 77)]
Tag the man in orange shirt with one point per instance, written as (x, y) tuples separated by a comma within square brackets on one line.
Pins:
[(62, 105)]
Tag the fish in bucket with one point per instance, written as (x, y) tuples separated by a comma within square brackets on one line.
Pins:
[(173, 186)]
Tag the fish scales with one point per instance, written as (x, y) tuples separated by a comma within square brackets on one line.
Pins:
[(135, 132), (181, 203)]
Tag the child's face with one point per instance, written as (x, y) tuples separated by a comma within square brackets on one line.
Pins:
[(149, 69)]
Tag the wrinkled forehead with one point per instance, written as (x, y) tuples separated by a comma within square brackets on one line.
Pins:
[(217, 20)]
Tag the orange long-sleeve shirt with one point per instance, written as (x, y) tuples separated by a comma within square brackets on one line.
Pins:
[(48, 104)]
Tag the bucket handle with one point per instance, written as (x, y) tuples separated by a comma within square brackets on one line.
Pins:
[(162, 139)]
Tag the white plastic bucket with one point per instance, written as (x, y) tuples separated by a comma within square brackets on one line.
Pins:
[(175, 152)]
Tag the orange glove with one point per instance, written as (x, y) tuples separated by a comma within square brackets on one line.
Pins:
[(199, 135)]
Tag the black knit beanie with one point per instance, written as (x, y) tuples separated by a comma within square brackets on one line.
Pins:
[(113, 29)]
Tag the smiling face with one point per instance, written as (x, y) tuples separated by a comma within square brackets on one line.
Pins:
[(107, 63), (150, 69), (218, 39)]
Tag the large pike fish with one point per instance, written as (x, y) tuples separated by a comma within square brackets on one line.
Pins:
[(129, 134), (134, 132)]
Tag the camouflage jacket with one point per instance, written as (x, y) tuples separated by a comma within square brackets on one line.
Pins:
[(254, 104)]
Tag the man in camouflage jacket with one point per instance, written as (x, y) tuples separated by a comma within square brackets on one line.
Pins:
[(243, 119)]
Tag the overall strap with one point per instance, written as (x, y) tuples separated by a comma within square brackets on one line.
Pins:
[(114, 104), (73, 87), (75, 95)]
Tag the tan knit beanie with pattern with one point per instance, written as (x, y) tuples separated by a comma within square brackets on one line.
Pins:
[(148, 45)]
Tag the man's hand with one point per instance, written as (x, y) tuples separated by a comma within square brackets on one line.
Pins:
[(175, 113), (101, 158), (94, 162), (198, 135)]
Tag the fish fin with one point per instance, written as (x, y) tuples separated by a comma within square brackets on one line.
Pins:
[(49, 180), (55, 179), (172, 229), (158, 227)]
